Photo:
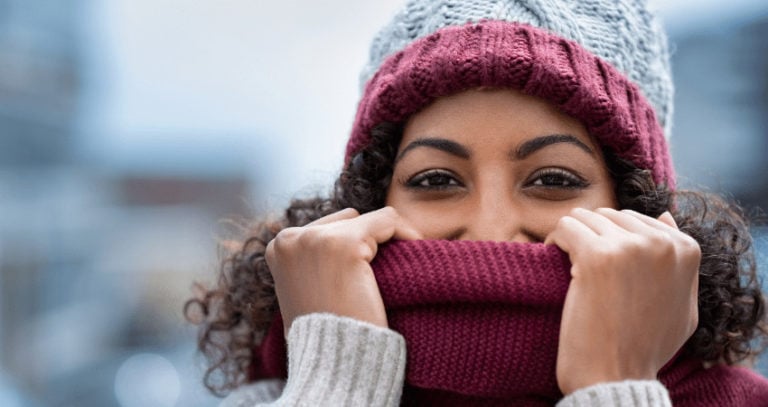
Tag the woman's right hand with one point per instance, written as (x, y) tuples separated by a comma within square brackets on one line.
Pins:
[(324, 266)]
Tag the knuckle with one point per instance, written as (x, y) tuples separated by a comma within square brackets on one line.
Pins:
[(353, 211), (280, 246), (333, 241), (269, 253), (656, 243), (688, 251), (691, 246), (662, 240), (388, 212), (606, 211), (366, 250), (284, 238), (635, 244), (574, 212), (563, 222), (310, 236), (325, 239)]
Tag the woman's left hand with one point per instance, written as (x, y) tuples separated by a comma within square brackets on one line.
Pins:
[(632, 302)]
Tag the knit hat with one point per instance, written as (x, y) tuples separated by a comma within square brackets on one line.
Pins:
[(602, 62)]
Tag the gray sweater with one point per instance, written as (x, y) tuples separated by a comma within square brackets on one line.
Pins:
[(338, 361)]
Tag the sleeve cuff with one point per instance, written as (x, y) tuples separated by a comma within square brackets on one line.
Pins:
[(634, 393), (336, 360)]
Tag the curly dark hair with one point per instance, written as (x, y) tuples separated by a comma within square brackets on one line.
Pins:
[(235, 315)]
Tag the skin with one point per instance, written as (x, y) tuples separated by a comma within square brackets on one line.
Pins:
[(500, 165), (502, 186)]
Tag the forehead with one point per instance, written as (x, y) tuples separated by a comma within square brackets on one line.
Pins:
[(503, 115)]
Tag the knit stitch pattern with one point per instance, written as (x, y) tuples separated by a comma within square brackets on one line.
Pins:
[(692, 385), (505, 55), (627, 393), (481, 324), (479, 318), (624, 33)]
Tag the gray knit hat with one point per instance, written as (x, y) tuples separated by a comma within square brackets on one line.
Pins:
[(621, 32)]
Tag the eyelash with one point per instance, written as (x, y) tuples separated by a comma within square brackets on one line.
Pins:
[(568, 180), (415, 182), (564, 179)]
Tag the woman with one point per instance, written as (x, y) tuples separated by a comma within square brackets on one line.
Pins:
[(479, 151)]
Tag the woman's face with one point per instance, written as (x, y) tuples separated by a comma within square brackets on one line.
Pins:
[(495, 165)]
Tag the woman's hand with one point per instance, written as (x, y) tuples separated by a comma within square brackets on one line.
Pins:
[(325, 265), (632, 302)]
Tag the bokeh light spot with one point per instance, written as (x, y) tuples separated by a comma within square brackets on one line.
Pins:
[(147, 379)]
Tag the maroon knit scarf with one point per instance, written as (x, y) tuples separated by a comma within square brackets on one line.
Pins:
[(481, 323)]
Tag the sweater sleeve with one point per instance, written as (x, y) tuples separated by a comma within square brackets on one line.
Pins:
[(333, 360), (342, 361), (628, 393)]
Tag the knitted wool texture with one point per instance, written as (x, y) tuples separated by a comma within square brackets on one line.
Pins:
[(481, 324), (482, 320), (499, 54), (623, 33)]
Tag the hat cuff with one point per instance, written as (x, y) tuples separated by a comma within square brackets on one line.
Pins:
[(534, 61)]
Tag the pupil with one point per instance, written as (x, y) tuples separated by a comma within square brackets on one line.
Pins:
[(439, 180), (554, 180)]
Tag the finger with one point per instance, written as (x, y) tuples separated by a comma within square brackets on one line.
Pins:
[(600, 224), (626, 220), (384, 224), (663, 223), (404, 231), (570, 233), (667, 218), (346, 213)]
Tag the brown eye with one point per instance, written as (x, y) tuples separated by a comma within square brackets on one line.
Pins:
[(556, 178), (433, 180)]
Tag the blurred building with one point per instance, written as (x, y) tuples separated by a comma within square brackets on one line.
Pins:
[(97, 258), (39, 81), (39, 90), (720, 136)]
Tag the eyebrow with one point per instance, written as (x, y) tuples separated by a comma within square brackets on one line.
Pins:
[(449, 146), (536, 144), (527, 148)]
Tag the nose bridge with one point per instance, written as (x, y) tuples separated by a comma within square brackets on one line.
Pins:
[(496, 216)]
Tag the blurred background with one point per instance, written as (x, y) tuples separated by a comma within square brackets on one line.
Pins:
[(130, 128)]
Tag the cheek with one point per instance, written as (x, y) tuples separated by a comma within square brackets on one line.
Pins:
[(604, 196), (540, 218), (433, 219)]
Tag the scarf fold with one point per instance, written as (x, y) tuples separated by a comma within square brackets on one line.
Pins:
[(480, 319), (481, 322)]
